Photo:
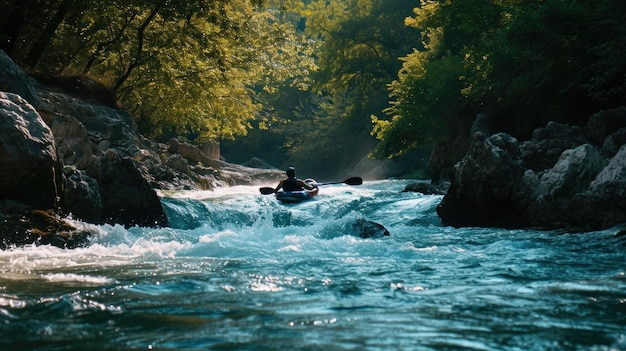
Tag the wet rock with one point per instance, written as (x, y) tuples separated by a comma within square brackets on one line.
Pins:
[(127, 197), (367, 229), (604, 123), (487, 180), (427, 188), (38, 227), (82, 196), (30, 171), (564, 177)]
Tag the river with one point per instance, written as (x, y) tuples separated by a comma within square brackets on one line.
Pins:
[(239, 271)]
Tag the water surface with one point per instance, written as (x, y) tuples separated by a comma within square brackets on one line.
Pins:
[(240, 271)]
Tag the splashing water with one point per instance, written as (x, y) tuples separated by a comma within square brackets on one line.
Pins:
[(238, 270)]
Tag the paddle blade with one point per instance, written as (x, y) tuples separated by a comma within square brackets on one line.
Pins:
[(266, 190), (354, 181)]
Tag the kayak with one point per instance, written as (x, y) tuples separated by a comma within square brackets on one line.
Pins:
[(291, 197)]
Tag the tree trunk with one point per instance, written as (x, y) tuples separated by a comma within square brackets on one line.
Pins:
[(45, 38), (140, 39), (13, 26)]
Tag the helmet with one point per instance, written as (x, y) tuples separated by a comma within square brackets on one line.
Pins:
[(291, 172)]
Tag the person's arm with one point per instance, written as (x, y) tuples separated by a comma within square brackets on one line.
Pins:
[(280, 185), (306, 185)]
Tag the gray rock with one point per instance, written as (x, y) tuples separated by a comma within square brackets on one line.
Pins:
[(30, 171), (369, 230), (547, 144), (13, 79), (82, 196), (487, 183), (127, 197), (564, 177), (427, 188)]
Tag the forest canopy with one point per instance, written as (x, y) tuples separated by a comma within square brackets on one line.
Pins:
[(323, 83), (181, 67), (520, 62)]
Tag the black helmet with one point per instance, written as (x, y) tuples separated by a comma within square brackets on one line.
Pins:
[(291, 172)]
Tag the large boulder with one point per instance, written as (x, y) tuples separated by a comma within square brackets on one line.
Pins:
[(366, 229), (127, 197), (486, 183), (564, 177), (30, 171), (13, 79), (604, 203), (543, 150)]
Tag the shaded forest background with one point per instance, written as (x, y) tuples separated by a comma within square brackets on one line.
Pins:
[(322, 84)]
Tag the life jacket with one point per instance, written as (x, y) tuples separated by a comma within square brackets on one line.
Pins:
[(291, 185)]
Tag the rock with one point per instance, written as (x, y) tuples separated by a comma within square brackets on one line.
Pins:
[(615, 171), (368, 229), (427, 188), (13, 79), (584, 188), (573, 173), (358, 227), (30, 171), (73, 143), (106, 127), (211, 149), (486, 185), (548, 143), (38, 227), (550, 200), (603, 204), (82, 196), (127, 197), (190, 152), (605, 123)]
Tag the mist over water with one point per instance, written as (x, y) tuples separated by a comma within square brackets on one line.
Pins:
[(238, 270)]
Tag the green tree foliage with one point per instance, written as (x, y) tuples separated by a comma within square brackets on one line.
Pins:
[(191, 68), (326, 129), (358, 45), (521, 62), (424, 88)]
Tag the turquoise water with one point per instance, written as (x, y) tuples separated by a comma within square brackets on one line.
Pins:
[(240, 271)]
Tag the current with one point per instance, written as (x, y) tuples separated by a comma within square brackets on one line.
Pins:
[(239, 271)]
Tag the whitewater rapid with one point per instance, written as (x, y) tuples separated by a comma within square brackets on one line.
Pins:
[(239, 270)]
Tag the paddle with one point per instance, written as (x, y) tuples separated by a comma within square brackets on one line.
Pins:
[(349, 181)]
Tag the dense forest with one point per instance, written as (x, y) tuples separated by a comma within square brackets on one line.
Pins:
[(322, 83)]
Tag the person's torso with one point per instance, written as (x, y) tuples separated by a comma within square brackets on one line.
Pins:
[(291, 185)]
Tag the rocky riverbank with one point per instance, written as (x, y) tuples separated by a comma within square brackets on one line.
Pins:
[(69, 154), (564, 177)]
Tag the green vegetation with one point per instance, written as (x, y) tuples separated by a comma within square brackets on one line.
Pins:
[(520, 62), (307, 78), (185, 68)]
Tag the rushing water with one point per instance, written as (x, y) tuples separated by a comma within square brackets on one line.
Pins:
[(240, 271)]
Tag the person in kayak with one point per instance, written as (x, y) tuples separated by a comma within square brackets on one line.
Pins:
[(292, 183)]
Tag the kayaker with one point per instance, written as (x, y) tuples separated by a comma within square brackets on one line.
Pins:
[(292, 183)]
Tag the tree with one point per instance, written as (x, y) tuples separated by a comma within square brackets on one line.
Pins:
[(187, 67), (358, 43), (520, 62)]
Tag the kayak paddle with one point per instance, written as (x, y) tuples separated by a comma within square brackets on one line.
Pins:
[(349, 181), (266, 190)]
